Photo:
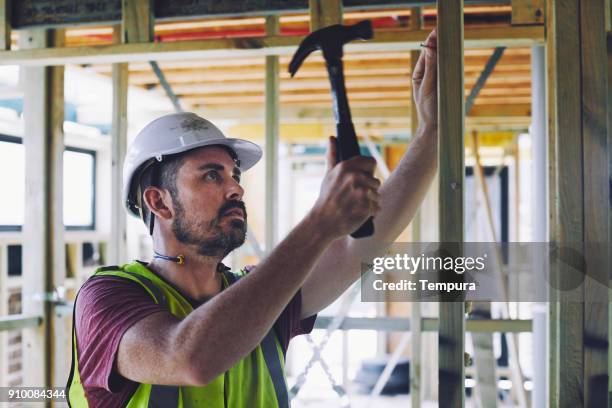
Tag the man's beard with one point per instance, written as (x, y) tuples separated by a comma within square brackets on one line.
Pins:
[(209, 237)]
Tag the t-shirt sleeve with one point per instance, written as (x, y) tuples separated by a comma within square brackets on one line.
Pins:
[(106, 307), (289, 323)]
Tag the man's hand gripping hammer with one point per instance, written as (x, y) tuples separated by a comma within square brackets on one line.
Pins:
[(330, 41)]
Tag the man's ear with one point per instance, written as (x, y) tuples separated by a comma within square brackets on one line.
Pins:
[(158, 201)]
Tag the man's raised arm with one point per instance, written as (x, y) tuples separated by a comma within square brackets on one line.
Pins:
[(400, 196)]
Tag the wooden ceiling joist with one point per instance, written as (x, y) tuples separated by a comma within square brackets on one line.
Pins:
[(520, 63), (255, 46), (498, 86), (229, 72), (307, 97), (377, 75)]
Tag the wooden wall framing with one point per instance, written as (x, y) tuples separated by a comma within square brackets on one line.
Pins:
[(580, 190), (580, 194), (451, 114), (118, 230), (43, 228), (272, 139)]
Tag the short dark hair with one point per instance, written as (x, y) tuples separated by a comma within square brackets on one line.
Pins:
[(160, 174)]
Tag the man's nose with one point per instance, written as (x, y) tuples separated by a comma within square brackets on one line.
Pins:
[(234, 191)]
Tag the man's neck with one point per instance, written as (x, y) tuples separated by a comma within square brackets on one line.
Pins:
[(197, 277)]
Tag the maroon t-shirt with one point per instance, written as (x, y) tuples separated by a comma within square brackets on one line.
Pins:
[(108, 306)]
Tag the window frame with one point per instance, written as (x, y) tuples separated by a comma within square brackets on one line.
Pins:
[(93, 154), (17, 140)]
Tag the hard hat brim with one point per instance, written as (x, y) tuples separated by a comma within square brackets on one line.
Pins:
[(248, 153)]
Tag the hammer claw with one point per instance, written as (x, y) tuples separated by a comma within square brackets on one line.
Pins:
[(330, 40)]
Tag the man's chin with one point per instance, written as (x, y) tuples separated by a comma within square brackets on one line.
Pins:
[(238, 230)]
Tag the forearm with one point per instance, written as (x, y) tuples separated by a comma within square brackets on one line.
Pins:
[(221, 332), (400, 197), (403, 192)]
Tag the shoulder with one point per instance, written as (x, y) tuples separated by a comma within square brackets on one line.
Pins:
[(112, 303), (102, 292), (106, 307)]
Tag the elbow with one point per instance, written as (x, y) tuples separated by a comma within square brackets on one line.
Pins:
[(197, 376), (191, 359), (197, 368), (204, 364)]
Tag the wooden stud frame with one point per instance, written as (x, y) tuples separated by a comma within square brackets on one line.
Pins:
[(43, 230), (451, 112), (527, 12), (578, 369), (579, 112), (118, 238), (324, 13), (5, 24), (596, 200), (609, 134), (137, 21), (416, 341), (271, 147)]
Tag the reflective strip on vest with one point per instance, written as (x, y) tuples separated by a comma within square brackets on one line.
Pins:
[(163, 396), (167, 396), (268, 347)]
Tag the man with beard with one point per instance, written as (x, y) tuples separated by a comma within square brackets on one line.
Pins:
[(183, 331)]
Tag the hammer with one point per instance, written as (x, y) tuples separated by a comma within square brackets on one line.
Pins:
[(330, 41)]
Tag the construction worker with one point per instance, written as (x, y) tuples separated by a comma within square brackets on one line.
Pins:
[(183, 331)]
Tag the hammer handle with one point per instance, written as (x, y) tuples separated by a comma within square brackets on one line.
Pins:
[(348, 147)]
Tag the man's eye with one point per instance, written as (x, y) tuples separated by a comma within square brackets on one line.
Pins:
[(213, 175), (237, 178)]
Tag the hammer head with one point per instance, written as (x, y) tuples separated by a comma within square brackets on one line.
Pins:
[(330, 40)]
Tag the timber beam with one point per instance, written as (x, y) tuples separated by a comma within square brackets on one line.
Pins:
[(255, 46), (578, 369), (56, 13), (451, 156), (43, 228)]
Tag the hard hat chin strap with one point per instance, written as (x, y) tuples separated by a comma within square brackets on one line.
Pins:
[(148, 177)]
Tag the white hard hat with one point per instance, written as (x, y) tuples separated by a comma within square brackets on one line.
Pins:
[(172, 134)]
